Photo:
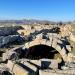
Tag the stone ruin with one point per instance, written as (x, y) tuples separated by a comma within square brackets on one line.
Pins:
[(45, 52)]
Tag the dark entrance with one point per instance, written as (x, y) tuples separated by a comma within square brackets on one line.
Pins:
[(42, 51)]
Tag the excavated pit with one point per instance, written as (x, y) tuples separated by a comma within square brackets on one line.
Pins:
[(41, 51)]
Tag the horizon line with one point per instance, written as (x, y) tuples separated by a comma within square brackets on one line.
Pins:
[(72, 20)]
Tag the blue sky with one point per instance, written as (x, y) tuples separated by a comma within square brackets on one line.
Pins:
[(54, 10)]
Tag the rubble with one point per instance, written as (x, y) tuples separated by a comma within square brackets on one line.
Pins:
[(12, 30), (4, 40), (37, 55)]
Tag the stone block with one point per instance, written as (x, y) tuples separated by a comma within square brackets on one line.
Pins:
[(54, 35), (43, 41), (18, 70), (68, 47), (49, 34), (31, 66), (37, 63), (10, 65), (4, 56), (58, 48), (39, 36), (59, 41), (47, 72), (27, 45), (48, 63), (11, 55), (54, 43), (51, 40), (63, 51), (48, 43)]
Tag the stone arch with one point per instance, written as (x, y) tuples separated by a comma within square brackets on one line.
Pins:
[(42, 51), (50, 43)]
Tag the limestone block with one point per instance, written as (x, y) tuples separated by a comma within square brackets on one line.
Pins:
[(59, 36), (58, 48), (4, 56), (10, 65), (39, 35), (54, 43), (18, 70), (26, 27), (64, 68), (59, 41), (48, 43), (49, 34), (72, 37), (27, 45), (66, 72), (63, 51), (70, 54), (55, 34), (51, 39), (48, 63), (35, 42), (12, 55), (70, 57), (43, 41), (36, 62), (30, 66), (47, 72), (68, 47)]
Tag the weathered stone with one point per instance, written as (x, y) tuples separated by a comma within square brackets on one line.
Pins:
[(16, 69), (48, 63), (48, 43), (10, 55), (47, 72), (49, 34), (63, 51), (64, 68), (39, 36), (10, 65), (51, 39), (66, 72), (68, 47), (58, 48), (4, 40), (30, 66), (70, 65), (59, 41), (4, 70), (5, 31), (70, 57), (54, 43), (37, 63)]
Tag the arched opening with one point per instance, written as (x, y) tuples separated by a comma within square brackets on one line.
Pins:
[(42, 51)]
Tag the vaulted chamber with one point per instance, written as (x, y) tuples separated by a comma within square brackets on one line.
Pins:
[(42, 51)]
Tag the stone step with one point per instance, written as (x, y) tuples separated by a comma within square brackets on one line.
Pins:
[(17, 69), (37, 63), (56, 72), (30, 67), (21, 68), (49, 64), (48, 72)]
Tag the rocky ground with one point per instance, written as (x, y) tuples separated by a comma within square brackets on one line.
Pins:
[(37, 50)]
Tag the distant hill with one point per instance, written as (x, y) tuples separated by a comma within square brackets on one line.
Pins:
[(32, 21)]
